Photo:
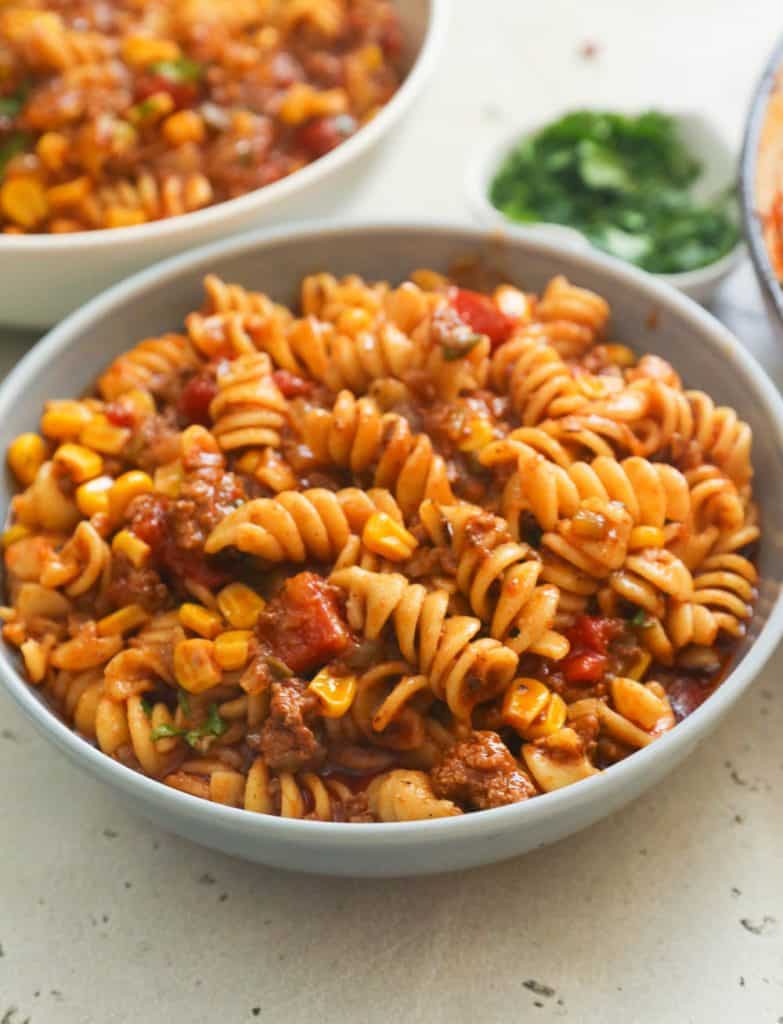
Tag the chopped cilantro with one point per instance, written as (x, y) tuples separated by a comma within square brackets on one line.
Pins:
[(639, 618), (458, 347), (181, 70), (213, 726), (11, 105), (625, 183), (11, 147)]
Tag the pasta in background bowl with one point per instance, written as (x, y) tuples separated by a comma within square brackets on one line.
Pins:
[(648, 316), (155, 132)]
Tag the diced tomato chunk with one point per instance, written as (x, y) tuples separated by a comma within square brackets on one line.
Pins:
[(184, 94), (323, 134), (120, 415), (584, 667), (304, 626), (594, 632), (194, 402), (291, 385), (482, 315)]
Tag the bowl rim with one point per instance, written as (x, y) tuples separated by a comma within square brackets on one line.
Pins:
[(146, 791), (487, 159), (432, 43), (757, 112)]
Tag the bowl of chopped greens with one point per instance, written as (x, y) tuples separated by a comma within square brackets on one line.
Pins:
[(654, 189)]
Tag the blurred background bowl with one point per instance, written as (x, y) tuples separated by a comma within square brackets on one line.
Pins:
[(703, 140), (650, 315), (761, 181), (44, 277)]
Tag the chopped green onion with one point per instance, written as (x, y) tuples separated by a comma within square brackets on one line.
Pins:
[(214, 726), (164, 731)]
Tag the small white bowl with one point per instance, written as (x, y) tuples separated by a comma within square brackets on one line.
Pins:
[(44, 277), (706, 354), (704, 142)]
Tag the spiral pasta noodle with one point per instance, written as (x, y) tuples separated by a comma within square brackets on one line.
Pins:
[(403, 552)]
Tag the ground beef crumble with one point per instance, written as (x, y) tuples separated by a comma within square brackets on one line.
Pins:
[(480, 773), (288, 740)]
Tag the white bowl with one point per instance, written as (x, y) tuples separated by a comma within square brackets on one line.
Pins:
[(701, 138), (44, 277), (709, 357)]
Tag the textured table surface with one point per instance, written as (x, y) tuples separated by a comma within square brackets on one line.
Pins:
[(667, 913)]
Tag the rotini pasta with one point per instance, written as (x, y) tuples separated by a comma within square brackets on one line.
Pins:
[(399, 553)]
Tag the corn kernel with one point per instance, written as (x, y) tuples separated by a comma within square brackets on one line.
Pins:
[(240, 606), (523, 703), (550, 720), (52, 149), (195, 666), (122, 621), (383, 536), (132, 547), (184, 126), (200, 620), (23, 200), (70, 193), (13, 534), (646, 537), (125, 488), (232, 648), (302, 102), (480, 433), (102, 435), (92, 497), (168, 479), (371, 57), (335, 693), (142, 50), (80, 463), (26, 455), (65, 419), (124, 217)]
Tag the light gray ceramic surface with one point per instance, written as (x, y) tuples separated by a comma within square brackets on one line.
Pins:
[(44, 277), (704, 352)]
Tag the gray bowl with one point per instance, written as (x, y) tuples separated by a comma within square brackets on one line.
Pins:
[(706, 354)]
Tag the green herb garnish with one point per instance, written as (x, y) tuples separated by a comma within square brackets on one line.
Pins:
[(213, 726), (278, 668), (458, 347), (146, 706), (12, 104), (181, 70), (625, 183), (183, 699), (639, 618), (11, 147)]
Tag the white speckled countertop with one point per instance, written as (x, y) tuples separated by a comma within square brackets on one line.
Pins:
[(670, 912)]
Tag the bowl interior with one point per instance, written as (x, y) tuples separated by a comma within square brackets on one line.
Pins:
[(645, 314)]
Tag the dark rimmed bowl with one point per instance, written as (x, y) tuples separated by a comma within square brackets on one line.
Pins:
[(758, 130)]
